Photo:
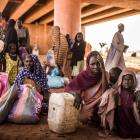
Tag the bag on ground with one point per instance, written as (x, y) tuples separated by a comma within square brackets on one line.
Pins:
[(6, 102), (62, 115), (27, 108), (4, 85)]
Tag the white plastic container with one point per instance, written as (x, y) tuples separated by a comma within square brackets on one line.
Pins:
[(62, 115)]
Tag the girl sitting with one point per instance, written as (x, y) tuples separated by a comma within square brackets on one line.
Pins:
[(128, 116), (32, 73), (12, 62)]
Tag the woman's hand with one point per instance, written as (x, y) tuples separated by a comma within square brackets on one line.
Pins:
[(77, 101), (101, 61)]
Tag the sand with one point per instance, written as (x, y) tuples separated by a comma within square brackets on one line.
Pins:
[(41, 131)]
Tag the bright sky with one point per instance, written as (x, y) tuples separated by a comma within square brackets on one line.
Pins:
[(103, 32)]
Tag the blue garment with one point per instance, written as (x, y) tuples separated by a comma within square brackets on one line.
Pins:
[(49, 56), (54, 72), (54, 80)]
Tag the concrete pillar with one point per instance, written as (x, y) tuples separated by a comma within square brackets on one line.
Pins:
[(67, 15)]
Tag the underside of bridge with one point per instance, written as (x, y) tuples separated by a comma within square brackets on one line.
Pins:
[(92, 11), (70, 15)]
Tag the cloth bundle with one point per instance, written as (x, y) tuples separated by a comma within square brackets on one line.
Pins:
[(3, 83), (27, 108), (6, 102)]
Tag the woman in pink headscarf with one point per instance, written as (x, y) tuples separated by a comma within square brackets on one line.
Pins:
[(89, 86)]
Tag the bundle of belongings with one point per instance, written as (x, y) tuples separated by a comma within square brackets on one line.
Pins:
[(19, 104)]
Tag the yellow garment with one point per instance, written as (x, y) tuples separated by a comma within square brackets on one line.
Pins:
[(11, 68)]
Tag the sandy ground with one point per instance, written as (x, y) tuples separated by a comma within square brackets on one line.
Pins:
[(41, 132)]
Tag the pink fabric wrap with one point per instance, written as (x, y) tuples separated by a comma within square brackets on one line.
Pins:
[(27, 108), (3, 83)]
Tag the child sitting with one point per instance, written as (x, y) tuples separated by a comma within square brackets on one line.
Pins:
[(128, 117), (12, 62)]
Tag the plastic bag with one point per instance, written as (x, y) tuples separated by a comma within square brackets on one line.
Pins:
[(50, 57), (4, 85), (6, 102), (27, 108), (55, 81)]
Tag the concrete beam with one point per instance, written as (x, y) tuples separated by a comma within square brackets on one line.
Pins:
[(131, 4), (40, 12), (122, 15), (92, 11), (84, 5), (47, 20), (23, 8), (3, 4), (103, 15)]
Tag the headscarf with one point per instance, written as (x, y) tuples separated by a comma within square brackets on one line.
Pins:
[(22, 50), (119, 25), (38, 75), (85, 79), (126, 72), (79, 33), (11, 23)]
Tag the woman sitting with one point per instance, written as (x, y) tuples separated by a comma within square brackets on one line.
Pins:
[(128, 116), (33, 73), (88, 87), (12, 62)]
